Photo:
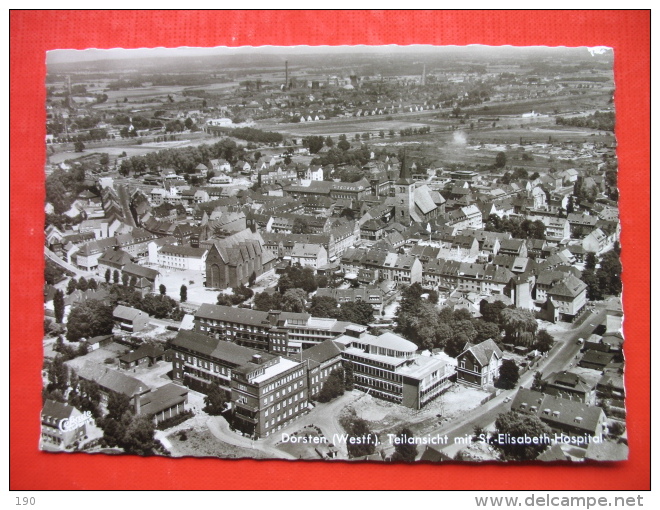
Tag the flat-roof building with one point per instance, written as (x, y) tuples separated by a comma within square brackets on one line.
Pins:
[(388, 366)]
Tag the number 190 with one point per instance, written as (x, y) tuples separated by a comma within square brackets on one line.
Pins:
[(25, 501)]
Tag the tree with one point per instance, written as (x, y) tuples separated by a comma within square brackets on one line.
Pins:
[(544, 341), (71, 286), (300, 226), (114, 430), (92, 285), (590, 261), (266, 302), (58, 375), (89, 319), (124, 279), (108, 275), (455, 345), (537, 383), (485, 330), (329, 142), (513, 425), (349, 378), (616, 428), (252, 279), (500, 160), (357, 427), (118, 404), (516, 322), (490, 312), (609, 273), (215, 401), (85, 395), (58, 304), (570, 207), (405, 449), (333, 386), (162, 289), (115, 276), (594, 291), (343, 145), (294, 300), (183, 294), (323, 306), (508, 374), (79, 146), (359, 312), (82, 284), (139, 436), (313, 143)]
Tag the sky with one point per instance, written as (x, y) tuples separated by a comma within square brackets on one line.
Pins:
[(63, 56)]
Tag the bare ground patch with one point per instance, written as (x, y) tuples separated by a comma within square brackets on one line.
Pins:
[(201, 443), (387, 417)]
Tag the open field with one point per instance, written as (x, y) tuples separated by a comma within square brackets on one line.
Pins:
[(145, 92)]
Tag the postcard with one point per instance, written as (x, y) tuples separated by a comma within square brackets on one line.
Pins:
[(339, 253)]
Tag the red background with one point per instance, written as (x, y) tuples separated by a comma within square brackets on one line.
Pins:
[(34, 32)]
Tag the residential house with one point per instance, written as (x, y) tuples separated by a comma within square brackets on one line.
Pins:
[(570, 385), (478, 365), (596, 360), (596, 242), (465, 217), (309, 255), (142, 279), (110, 381), (62, 425), (569, 297), (130, 319), (97, 342), (372, 295), (145, 355), (563, 416), (182, 257)]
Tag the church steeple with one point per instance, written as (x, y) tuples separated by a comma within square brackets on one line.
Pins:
[(405, 170)]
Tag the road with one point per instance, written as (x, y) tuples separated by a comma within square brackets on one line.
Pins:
[(50, 255), (558, 359), (123, 199), (164, 322), (220, 429)]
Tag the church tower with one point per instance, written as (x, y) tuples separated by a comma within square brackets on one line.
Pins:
[(404, 190)]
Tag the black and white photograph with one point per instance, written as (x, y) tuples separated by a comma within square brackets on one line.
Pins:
[(341, 253)]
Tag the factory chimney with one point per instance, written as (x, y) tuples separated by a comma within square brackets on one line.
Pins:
[(286, 74)]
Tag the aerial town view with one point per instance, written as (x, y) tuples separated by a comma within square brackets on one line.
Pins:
[(387, 254)]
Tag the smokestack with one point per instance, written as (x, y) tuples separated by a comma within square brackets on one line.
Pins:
[(286, 74)]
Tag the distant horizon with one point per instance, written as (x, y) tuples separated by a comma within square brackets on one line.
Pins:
[(67, 56)]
